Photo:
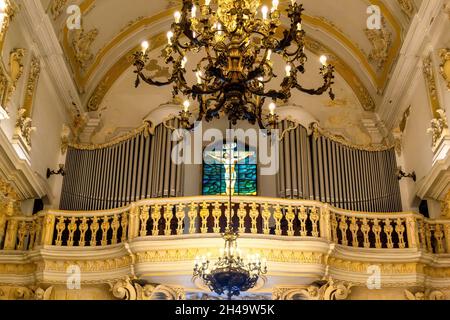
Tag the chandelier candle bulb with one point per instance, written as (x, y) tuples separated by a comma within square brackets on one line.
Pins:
[(169, 37), (207, 2), (145, 45), (194, 11), (272, 108), (299, 26), (323, 60), (186, 105), (199, 77), (275, 4), (288, 70), (269, 54), (177, 16), (183, 62), (264, 11)]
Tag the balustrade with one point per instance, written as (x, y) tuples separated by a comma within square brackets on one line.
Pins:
[(206, 215)]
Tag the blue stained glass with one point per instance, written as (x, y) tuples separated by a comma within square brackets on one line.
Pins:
[(244, 168)]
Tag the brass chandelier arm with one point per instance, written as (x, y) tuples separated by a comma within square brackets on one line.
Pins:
[(235, 69)]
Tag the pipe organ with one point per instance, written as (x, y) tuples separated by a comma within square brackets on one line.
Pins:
[(114, 175), (318, 168)]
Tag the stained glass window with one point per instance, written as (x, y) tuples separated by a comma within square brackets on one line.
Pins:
[(236, 161)]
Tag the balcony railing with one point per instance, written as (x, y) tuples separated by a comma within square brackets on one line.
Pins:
[(202, 215)]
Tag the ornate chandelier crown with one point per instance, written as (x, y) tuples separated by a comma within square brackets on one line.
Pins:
[(235, 40)]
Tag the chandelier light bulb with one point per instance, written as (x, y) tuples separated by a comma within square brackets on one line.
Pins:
[(3, 6), (275, 4), (323, 60), (199, 77), (183, 62), (288, 70), (169, 37), (177, 16), (194, 11), (145, 45), (299, 26), (264, 11), (219, 29), (293, 2), (272, 108), (207, 2), (269, 54)]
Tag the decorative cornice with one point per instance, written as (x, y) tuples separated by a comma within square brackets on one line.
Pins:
[(147, 128)]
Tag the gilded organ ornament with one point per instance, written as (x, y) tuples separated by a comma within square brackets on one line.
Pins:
[(428, 294)]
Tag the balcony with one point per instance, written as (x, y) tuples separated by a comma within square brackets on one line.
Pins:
[(157, 240)]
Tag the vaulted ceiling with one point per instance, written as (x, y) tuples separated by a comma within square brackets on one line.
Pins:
[(98, 56)]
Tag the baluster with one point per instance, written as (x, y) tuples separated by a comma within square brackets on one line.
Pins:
[(105, 227), (94, 229), (156, 215), (192, 217), (334, 225), (72, 227), (254, 213), (343, 226), (60, 227), (447, 236), (49, 229), (302, 217), (11, 235), (217, 212), (314, 217), (168, 215), (242, 213), (83, 229), (143, 217), (2, 227), (376, 228), (278, 215), (124, 224), (266, 217), (388, 229), (423, 241), (400, 229), (428, 237), (115, 225), (439, 236), (180, 217), (32, 232), (290, 216), (204, 214), (22, 232), (354, 228), (412, 233), (365, 228), (38, 236)]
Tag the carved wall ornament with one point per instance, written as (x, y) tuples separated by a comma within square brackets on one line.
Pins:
[(128, 289), (381, 41), (320, 290), (445, 207), (56, 8), (428, 294), (439, 127), (15, 71), (408, 7), (430, 79), (98, 95), (444, 68), (10, 12), (24, 126), (82, 44)]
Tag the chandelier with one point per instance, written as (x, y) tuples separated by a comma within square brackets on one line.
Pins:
[(235, 42), (230, 274)]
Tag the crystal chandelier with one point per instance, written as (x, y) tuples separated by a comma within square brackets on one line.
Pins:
[(230, 274), (235, 42)]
